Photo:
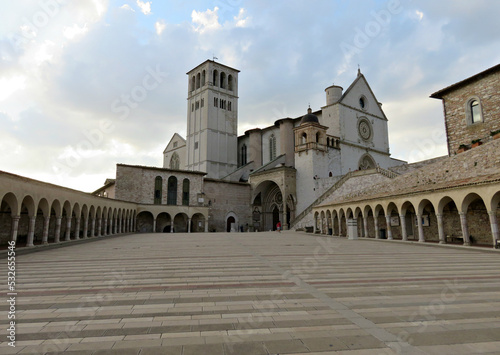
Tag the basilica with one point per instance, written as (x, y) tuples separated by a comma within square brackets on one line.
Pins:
[(327, 170)]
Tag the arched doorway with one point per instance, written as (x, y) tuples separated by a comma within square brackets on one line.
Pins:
[(230, 223)]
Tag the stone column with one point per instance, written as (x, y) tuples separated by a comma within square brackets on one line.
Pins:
[(45, 235), (284, 225), (99, 226), (154, 225), (421, 237), (402, 218), (85, 226), (442, 239), (314, 225), (130, 224), (465, 228), (57, 235), (105, 226), (92, 227), (67, 235), (365, 226), (377, 232), (115, 226), (120, 222), (494, 226), (111, 226), (206, 225), (77, 228), (15, 228), (389, 229), (189, 225), (31, 232)]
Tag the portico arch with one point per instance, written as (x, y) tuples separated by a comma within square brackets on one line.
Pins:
[(145, 222), (180, 223), (164, 223), (473, 215)]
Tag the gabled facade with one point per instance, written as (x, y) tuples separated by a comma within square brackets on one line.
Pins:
[(174, 155)]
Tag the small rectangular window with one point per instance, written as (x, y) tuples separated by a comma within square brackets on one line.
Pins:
[(195, 145)]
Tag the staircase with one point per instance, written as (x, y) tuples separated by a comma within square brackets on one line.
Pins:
[(337, 185)]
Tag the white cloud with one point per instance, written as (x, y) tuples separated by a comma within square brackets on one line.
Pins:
[(241, 20), (419, 14), (208, 20), (75, 31), (9, 86), (145, 6), (127, 7), (160, 27)]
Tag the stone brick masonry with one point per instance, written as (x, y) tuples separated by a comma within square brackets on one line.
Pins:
[(485, 88)]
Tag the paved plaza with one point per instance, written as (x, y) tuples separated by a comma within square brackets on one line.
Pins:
[(255, 293)]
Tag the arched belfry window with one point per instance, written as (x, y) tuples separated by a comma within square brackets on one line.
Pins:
[(272, 147), (243, 154), (230, 82), (185, 192), (172, 191), (317, 137), (203, 78), (304, 138), (223, 80), (215, 78), (175, 161), (198, 79), (157, 193), (193, 83)]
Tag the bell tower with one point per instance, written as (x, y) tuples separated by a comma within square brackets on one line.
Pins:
[(212, 119)]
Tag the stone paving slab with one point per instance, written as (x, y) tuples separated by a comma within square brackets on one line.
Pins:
[(255, 293)]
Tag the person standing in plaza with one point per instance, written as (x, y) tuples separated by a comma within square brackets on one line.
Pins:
[(278, 226)]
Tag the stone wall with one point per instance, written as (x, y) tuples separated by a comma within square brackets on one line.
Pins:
[(226, 198), (484, 88), (137, 184)]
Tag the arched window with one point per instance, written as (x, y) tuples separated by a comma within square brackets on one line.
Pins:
[(185, 192), (229, 106), (193, 83), (215, 78), (475, 112), (157, 194), (203, 78), (172, 191), (223, 80), (304, 138), (175, 161), (272, 147), (317, 137), (230, 82), (198, 79), (243, 154)]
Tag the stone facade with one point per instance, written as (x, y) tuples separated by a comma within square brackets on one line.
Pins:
[(484, 88), (137, 184), (225, 200)]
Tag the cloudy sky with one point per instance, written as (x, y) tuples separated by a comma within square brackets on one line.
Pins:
[(87, 84)]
